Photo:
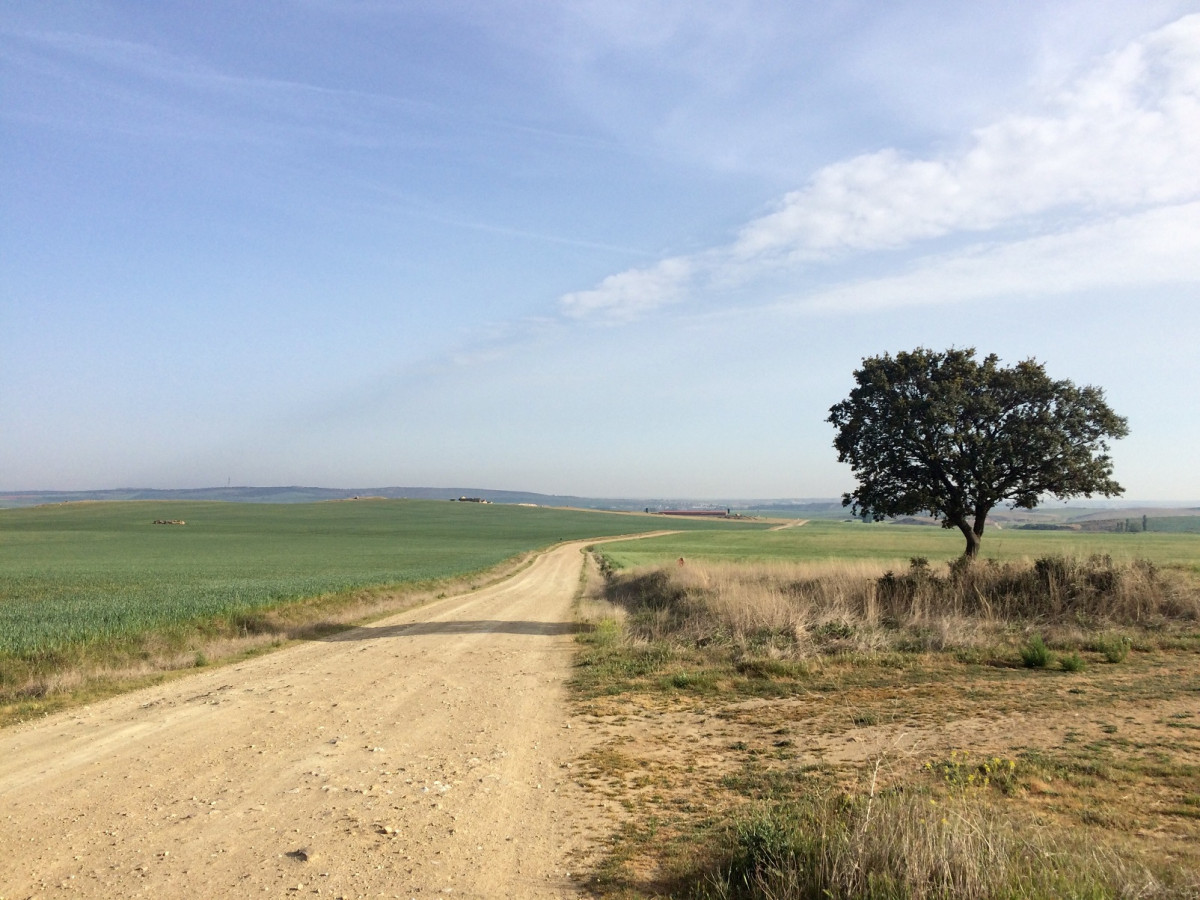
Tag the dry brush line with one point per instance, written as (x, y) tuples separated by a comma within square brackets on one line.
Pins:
[(802, 609)]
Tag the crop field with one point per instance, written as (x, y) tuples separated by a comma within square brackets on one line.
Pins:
[(96, 596), (79, 572), (896, 544)]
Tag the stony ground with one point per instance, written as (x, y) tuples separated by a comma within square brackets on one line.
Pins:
[(427, 754)]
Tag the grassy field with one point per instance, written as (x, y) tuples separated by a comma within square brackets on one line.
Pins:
[(821, 540), (77, 572), (780, 718), (84, 582)]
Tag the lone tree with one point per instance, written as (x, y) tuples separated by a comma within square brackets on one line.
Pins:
[(946, 435)]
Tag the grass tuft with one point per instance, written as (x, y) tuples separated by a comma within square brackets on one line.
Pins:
[(1035, 654), (1115, 648), (1072, 662), (909, 846)]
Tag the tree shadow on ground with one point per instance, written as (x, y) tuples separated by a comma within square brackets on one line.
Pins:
[(471, 626)]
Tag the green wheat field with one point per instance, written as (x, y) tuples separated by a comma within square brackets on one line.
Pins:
[(81, 572)]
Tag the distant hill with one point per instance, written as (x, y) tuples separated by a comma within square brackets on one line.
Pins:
[(294, 494), (794, 509), (807, 508), (301, 494), (1181, 523)]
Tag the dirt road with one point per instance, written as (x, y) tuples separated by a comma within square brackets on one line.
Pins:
[(424, 755)]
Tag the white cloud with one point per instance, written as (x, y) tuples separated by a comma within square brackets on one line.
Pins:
[(1066, 185), (631, 294), (1158, 247), (1125, 135)]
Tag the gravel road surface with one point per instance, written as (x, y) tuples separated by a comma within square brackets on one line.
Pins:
[(425, 755)]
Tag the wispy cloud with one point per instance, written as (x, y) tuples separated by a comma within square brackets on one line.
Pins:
[(1076, 181), (207, 100), (1155, 248), (631, 294), (107, 85)]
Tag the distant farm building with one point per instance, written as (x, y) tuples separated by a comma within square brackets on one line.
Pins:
[(709, 513), (471, 500)]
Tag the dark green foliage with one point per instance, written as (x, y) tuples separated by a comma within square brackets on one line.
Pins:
[(946, 435)]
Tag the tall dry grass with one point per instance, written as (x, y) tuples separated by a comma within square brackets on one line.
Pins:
[(796, 610), (905, 847)]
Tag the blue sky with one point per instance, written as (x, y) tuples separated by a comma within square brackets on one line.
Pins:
[(602, 248)]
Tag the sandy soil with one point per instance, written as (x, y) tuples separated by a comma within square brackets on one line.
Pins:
[(428, 754)]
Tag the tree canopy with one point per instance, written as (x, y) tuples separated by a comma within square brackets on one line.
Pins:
[(949, 436)]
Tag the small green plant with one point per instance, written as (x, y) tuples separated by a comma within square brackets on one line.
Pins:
[(693, 681), (1073, 662), (604, 633), (1114, 647), (961, 772), (1035, 654)]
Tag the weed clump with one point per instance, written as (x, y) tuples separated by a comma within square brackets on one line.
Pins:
[(1054, 588), (1114, 648), (1072, 662), (1035, 654), (910, 846)]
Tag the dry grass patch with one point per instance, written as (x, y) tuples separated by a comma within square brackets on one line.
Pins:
[(840, 733), (777, 611)]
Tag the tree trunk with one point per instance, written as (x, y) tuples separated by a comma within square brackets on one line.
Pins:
[(981, 514), (972, 549)]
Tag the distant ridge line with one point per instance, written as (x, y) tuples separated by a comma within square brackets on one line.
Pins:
[(819, 507), (308, 494)]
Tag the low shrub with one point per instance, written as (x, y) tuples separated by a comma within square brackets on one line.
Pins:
[(1072, 662), (1035, 654), (1114, 647)]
